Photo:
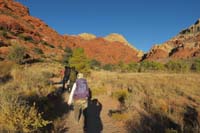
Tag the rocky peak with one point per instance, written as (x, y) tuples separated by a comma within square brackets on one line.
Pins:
[(114, 37), (87, 36), (11, 7), (185, 45), (192, 29)]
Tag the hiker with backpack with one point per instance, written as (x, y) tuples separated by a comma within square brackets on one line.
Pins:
[(72, 78), (70, 75), (66, 73), (79, 94)]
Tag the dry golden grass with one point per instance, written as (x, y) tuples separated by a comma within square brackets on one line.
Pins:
[(33, 79), (28, 81), (163, 93)]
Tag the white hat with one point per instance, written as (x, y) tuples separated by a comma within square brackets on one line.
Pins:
[(80, 75)]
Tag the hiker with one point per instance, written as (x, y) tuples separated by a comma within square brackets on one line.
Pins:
[(72, 78), (66, 76), (79, 95)]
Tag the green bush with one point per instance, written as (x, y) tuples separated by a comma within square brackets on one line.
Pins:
[(122, 67), (119, 94), (150, 66), (67, 55), (196, 65), (108, 67), (17, 53), (47, 44), (94, 64), (16, 115), (133, 67), (38, 51), (26, 38), (177, 66), (80, 61), (4, 33)]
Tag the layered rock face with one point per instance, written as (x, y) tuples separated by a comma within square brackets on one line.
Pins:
[(104, 51), (18, 27), (185, 45)]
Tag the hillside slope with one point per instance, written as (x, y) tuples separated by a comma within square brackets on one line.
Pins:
[(17, 26)]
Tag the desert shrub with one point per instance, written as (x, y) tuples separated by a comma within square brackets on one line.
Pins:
[(47, 44), (6, 68), (30, 80), (38, 51), (67, 55), (196, 65), (133, 67), (177, 66), (26, 38), (122, 67), (3, 32), (94, 64), (17, 53), (80, 61), (150, 66), (60, 47), (108, 67), (16, 115), (120, 94)]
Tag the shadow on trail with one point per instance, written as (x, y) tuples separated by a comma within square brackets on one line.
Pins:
[(93, 123), (92, 120)]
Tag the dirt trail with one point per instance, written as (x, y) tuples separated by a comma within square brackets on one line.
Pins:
[(109, 125)]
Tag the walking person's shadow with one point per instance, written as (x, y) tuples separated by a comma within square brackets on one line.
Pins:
[(92, 121)]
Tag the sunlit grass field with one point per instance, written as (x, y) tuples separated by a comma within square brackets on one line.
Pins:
[(144, 94), (149, 94)]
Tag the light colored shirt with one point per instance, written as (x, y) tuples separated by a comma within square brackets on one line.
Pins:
[(72, 94)]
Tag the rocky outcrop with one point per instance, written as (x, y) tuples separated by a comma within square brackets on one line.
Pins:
[(87, 36), (11, 7), (104, 51), (185, 45), (192, 29)]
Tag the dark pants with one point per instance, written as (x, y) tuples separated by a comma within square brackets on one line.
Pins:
[(65, 79)]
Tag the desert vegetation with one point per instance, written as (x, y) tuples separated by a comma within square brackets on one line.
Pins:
[(23, 97), (149, 101), (152, 96), (153, 102)]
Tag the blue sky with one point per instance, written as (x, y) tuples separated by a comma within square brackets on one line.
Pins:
[(142, 22)]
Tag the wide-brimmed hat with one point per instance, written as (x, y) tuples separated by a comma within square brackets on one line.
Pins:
[(80, 75)]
